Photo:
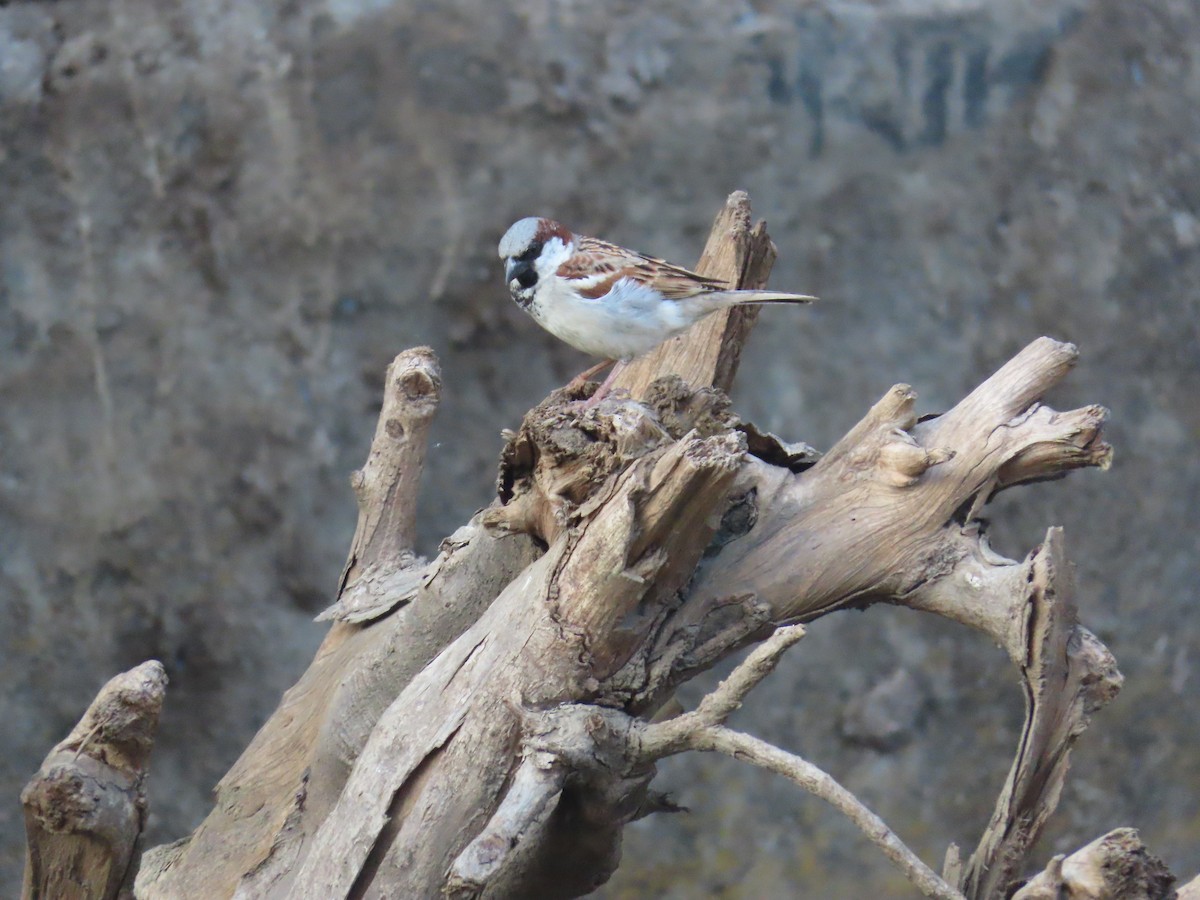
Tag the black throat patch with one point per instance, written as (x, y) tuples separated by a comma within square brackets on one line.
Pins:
[(523, 297)]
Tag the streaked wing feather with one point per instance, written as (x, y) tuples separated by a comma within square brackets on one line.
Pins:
[(589, 261), (594, 257), (675, 282)]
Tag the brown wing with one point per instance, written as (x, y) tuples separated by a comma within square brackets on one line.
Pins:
[(594, 257)]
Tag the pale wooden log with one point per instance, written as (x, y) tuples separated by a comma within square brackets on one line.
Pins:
[(86, 806), (532, 646)]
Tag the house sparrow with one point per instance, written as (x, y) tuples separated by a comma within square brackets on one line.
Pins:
[(606, 300)]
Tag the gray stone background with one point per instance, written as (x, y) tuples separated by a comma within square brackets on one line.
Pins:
[(219, 219)]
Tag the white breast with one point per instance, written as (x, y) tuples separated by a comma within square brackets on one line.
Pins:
[(626, 322)]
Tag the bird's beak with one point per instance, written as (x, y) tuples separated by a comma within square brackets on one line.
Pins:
[(515, 268)]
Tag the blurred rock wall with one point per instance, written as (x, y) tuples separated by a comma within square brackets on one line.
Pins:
[(219, 219)]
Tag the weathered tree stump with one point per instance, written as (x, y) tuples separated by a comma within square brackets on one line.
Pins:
[(486, 723)]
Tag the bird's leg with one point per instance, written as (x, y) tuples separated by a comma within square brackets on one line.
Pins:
[(579, 380), (602, 391)]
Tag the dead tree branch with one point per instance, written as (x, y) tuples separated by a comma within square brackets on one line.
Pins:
[(704, 730), (381, 566), (821, 784), (1067, 674)]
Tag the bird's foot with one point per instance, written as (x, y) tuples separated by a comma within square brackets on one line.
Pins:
[(605, 386), (585, 376)]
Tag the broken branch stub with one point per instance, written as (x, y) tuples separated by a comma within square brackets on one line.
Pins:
[(739, 253), (1116, 865), (86, 806), (381, 566)]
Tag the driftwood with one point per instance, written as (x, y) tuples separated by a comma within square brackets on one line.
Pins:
[(486, 723)]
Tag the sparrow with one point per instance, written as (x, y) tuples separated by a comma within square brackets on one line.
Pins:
[(606, 300)]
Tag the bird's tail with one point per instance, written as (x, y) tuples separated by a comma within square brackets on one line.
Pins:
[(769, 297)]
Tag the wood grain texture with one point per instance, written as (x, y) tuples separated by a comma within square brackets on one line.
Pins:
[(381, 569), (1068, 675)]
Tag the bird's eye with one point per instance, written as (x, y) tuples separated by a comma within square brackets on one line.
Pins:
[(531, 254), (527, 278)]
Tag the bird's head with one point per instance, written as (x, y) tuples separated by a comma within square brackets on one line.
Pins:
[(532, 249)]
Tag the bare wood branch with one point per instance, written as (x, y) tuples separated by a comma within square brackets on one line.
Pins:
[(1068, 675), (530, 800), (1116, 865), (878, 508), (664, 738), (381, 569), (819, 783), (85, 807), (707, 355), (723, 702), (346, 838), (704, 730), (293, 772), (979, 588), (561, 609), (952, 865)]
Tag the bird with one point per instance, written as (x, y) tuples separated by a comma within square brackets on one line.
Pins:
[(606, 300)]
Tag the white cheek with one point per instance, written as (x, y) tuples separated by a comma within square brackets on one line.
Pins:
[(554, 254)]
